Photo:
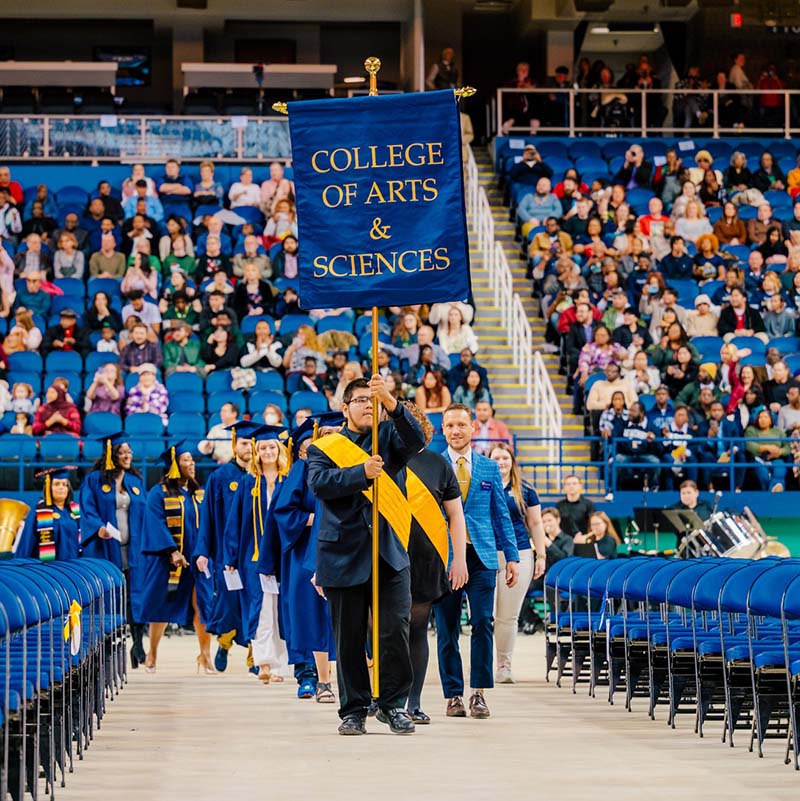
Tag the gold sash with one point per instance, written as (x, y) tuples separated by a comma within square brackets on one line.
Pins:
[(392, 504)]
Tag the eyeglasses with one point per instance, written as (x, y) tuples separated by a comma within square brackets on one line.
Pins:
[(361, 401)]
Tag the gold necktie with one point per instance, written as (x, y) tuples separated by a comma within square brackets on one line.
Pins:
[(463, 477)]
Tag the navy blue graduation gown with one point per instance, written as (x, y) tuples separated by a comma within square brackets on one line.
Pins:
[(305, 620), (243, 534), (66, 536), (98, 507), (219, 607), (159, 603)]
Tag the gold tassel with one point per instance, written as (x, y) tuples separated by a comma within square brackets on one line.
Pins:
[(174, 471), (315, 433), (109, 465), (48, 496), (258, 517), (233, 438), (254, 468), (289, 454)]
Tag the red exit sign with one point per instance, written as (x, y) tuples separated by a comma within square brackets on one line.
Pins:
[(736, 20)]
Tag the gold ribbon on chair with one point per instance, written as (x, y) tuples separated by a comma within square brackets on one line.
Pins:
[(392, 504), (72, 627)]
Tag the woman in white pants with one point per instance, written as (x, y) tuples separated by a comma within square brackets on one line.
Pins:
[(526, 515)]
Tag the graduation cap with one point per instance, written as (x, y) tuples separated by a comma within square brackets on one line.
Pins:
[(241, 429), (171, 455), (264, 433), (310, 428), (111, 441), (51, 473)]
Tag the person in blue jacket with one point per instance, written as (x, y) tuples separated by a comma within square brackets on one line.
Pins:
[(172, 519), (114, 492), (53, 529), (252, 550), (222, 613), (305, 619)]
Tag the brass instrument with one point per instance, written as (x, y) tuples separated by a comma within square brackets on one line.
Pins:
[(12, 515), (772, 546)]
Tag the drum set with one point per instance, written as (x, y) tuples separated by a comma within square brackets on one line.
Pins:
[(732, 535)]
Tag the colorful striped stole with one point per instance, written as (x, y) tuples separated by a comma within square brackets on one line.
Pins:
[(173, 508), (45, 525)]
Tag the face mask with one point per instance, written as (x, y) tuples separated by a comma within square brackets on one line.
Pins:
[(596, 268), (271, 419), (652, 289)]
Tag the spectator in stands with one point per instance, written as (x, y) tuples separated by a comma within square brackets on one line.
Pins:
[(273, 415), (33, 297), (601, 392), (443, 74), (66, 336), (740, 320), (411, 354), (179, 309), (43, 196), (789, 415), (769, 176), (791, 228), (729, 229), (704, 379), (207, 191), (614, 315), (350, 372), (688, 194), (253, 297), (10, 220), (333, 372), (636, 171), (775, 390), (432, 395), (142, 273), (14, 188), (472, 390), (692, 224), (23, 334), (173, 184), (129, 184), (666, 181), (668, 344), (457, 373), (703, 161), (310, 379), (613, 419), (253, 254), (711, 193), (108, 341), (264, 351), (574, 509), (633, 333), (33, 259), (108, 262), (668, 301), (757, 228), (555, 244), (220, 351), (244, 192), (636, 445), (644, 379), (303, 344), (68, 261), (218, 442), (215, 312), (537, 208), (107, 390), (143, 348), (285, 263), (58, 415), (487, 429), (212, 261), (281, 222), (21, 399), (147, 312), (754, 274), (516, 105), (276, 187), (38, 222), (774, 250), (770, 455), (682, 371), (417, 372), (738, 177), (175, 232), (703, 321), (655, 218), (576, 220), (405, 330), (779, 321), (678, 263), (678, 452), (136, 229), (734, 277), (148, 395), (182, 351), (153, 207), (112, 208), (721, 448), (218, 283), (530, 170), (454, 334), (178, 260)]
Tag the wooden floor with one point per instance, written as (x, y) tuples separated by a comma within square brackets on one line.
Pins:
[(175, 735)]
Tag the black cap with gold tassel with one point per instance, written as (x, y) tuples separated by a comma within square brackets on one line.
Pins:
[(49, 475), (170, 457)]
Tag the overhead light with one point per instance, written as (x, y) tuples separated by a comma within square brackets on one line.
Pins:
[(355, 79), (600, 29)]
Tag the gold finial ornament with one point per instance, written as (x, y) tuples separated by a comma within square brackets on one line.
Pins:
[(281, 108), (465, 91), (373, 65)]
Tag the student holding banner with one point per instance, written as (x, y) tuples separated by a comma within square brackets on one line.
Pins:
[(340, 473)]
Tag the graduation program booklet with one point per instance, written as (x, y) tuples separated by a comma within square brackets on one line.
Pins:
[(115, 533), (268, 584), (233, 581)]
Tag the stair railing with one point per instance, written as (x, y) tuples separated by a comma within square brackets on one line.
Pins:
[(540, 394)]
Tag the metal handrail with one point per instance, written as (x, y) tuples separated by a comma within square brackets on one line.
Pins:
[(714, 129)]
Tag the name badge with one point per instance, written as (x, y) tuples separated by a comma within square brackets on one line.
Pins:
[(486, 486)]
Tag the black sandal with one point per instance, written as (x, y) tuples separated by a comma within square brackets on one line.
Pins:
[(324, 694), (418, 716)]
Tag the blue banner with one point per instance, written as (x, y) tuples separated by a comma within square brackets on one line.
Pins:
[(380, 200)]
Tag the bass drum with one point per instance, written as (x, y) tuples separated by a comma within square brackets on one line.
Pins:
[(732, 535)]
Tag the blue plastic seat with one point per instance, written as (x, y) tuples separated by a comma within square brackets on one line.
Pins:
[(268, 380), (63, 361), (187, 401), (316, 401), (251, 321), (26, 360), (218, 381), (144, 424), (291, 322), (60, 448), (98, 424), (218, 399), (184, 382), (186, 424), (257, 401), (338, 322)]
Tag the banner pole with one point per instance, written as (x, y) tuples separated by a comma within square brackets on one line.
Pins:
[(372, 65)]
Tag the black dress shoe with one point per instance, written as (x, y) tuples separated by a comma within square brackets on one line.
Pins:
[(372, 709), (398, 720), (418, 716), (353, 724)]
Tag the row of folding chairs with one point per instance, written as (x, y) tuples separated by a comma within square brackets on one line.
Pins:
[(718, 639), (62, 657)]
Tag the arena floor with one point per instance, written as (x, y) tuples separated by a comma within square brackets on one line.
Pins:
[(175, 735)]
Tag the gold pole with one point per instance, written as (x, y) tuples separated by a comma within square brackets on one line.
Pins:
[(372, 65)]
